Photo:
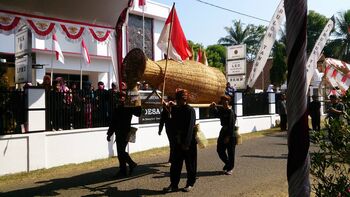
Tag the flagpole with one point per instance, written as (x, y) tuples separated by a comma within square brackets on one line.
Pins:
[(53, 53), (167, 51), (81, 74), (143, 28)]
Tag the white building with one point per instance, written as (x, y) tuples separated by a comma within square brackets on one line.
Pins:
[(101, 66)]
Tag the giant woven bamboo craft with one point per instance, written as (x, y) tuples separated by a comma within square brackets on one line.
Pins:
[(205, 84)]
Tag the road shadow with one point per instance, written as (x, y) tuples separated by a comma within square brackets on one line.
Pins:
[(114, 191), (279, 134), (104, 178), (184, 174), (283, 156)]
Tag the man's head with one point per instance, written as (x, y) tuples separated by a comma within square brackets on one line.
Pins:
[(333, 98), (225, 100), (228, 84), (181, 96), (100, 85)]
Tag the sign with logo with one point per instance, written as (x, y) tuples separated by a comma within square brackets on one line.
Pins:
[(236, 52), (23, 42), (237, 81), (23, 69), (151, 107), (236, 67)]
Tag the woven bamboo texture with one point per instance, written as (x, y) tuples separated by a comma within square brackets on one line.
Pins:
[(205, 84)]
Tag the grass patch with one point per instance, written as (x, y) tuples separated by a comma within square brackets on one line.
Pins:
[(102, 163)]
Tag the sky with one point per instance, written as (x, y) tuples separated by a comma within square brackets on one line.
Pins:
[(205, 24)]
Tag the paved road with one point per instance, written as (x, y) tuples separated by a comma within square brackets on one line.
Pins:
[(260, 171)]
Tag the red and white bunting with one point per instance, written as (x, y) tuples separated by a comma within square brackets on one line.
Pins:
[(42, 29), (337, 73), (72, 32), (8, 23), (100, 35)]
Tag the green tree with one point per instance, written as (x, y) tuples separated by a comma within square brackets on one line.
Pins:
[(250, 35), (340, 45), (216, 56), (315, 24), (278, 71)]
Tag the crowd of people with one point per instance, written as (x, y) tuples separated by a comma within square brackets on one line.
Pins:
[(69, 107)]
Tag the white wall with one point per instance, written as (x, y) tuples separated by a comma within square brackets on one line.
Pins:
[(101, 66), (157, 29), (7, 43), (31, 151)]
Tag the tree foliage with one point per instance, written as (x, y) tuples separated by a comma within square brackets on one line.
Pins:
[(339, 46), (216, 55), (315, 24), (250, 35), (278, 71)]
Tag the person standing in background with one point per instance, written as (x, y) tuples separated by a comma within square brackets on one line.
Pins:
[(315, 113), (282, 106)]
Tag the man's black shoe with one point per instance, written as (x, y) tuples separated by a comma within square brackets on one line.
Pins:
[(170, 188), (131, 168)]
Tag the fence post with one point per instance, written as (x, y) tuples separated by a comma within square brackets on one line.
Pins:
[(238, 103), (272, 102), (36, 109)]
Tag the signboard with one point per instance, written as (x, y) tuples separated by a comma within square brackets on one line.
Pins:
[(151, 107), (23, 42), (236, 52), (237, 81), (23, 69), (236, 67)]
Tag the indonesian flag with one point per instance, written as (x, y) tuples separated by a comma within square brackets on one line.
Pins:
[(142, 3), (199, 55), (85, 52), (178, 46), (57, 48)]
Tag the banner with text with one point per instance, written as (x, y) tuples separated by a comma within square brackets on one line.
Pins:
[(267, 44), (311, 64)]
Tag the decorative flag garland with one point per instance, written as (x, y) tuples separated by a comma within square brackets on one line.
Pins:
[(337, 73), (8, 24), (44, 29), (41, 28)]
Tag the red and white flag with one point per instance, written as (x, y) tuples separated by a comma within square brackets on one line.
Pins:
[(142, 3), (56, 47), (178, 46), (199, 55), (85, 52)]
